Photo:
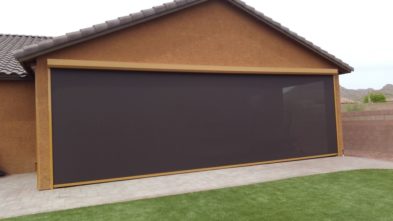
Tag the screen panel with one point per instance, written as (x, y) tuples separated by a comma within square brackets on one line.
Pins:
[(111, 124)]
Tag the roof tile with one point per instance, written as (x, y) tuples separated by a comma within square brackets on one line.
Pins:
[(239, 2), (148, 12), (47, 43), (74, 35), (87, 31), (10, 68), (60, 39), (100, 27), (180, 2), (170, 5), (31, 48), (159, 9), (136, 16), (125, 19), (113, 22)]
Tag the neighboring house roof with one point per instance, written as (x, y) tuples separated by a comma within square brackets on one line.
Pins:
[(9, 67), (30, 52)]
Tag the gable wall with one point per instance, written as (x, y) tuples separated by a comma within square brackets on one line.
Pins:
[(213, 33)]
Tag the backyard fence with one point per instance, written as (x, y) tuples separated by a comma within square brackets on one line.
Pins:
[(368, 133)]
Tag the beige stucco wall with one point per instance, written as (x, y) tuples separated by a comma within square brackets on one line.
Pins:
[(17, 126), (213, 33)]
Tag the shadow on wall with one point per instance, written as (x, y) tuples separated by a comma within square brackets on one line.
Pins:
[(369, 134)]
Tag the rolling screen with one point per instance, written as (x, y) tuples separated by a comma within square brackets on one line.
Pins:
[(111, 124)]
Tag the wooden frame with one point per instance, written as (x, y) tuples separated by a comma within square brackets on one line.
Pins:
[(190, 171), (80, 64), (43, 125), (37, 154), (50, 127), (129, 66), (337, 105)]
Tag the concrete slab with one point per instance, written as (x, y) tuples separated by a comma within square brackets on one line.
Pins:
[(18, 194)]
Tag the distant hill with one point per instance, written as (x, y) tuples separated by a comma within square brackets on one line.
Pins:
[(358, 94)]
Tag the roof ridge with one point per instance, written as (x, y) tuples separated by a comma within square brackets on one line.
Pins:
[(25, 35)]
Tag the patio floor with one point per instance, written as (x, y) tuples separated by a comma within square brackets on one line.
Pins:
[(18, 194)]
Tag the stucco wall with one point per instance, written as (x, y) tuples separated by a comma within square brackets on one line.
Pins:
[(213, 33), (17, 126)]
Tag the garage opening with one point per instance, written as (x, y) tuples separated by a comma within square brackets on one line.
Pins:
[(113, 124)]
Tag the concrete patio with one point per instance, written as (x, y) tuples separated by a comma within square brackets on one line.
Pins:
[(18, 194)]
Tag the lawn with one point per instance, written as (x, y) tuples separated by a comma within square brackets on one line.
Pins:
[(354, 195)]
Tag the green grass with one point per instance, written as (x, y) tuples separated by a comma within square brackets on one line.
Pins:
[(354, 195)]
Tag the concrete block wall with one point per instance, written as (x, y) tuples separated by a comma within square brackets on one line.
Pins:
[(368, 134)]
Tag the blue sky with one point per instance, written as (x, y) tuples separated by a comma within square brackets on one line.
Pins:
[(357, 31)]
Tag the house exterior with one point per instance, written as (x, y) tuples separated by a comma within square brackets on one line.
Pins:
[(182, 87), (17, 112)]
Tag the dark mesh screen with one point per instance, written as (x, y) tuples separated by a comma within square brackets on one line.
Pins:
[(109, 124)]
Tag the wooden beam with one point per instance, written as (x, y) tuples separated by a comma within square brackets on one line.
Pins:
[(50, 127), (337, 104), (43, 125), (191, 170), (129, 66)]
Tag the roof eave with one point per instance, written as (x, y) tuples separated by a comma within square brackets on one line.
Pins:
[(15, 77)]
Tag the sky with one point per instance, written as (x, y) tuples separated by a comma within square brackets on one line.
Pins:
[(357, 31)]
